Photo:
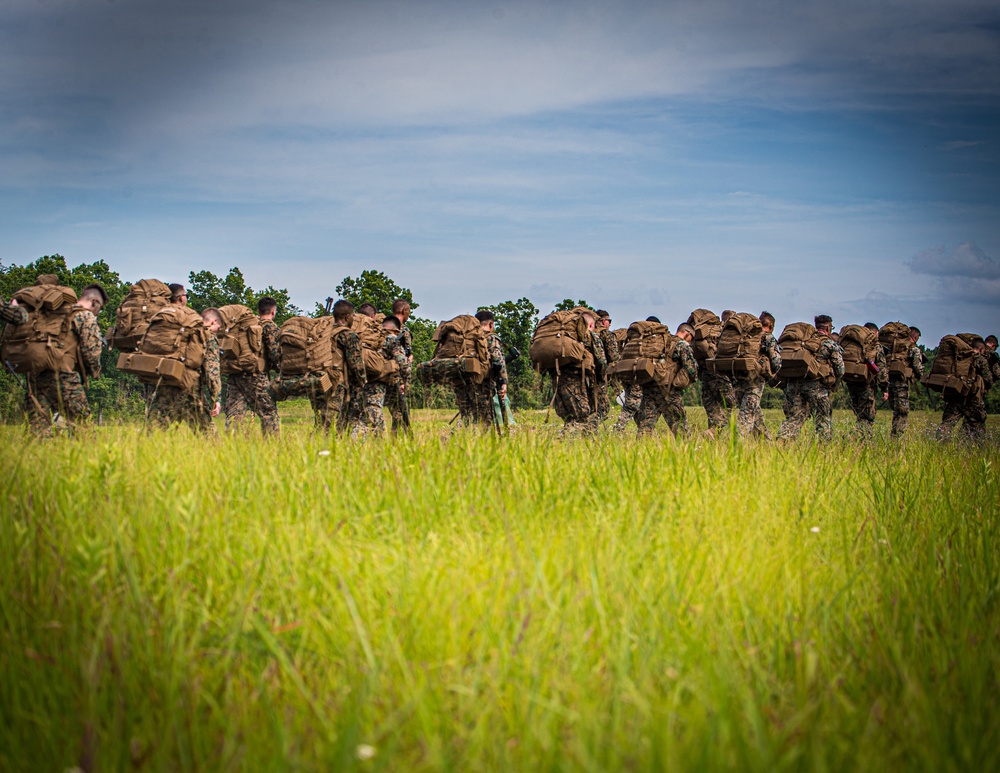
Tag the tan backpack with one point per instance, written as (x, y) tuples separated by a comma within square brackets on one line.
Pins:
[(648, 356), (171, 351), (306, 345), (620, 334), (144, 299), (952, 372), (738, 348), (460, 353), (241, 340), (560, 340), (46, 342), (799, 344), (707, 329), (895, 339), (372, 336), (860, 346)]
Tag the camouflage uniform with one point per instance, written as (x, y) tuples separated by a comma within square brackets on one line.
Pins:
[(611, 354), (748, 391), (573, 402), (899, 390), (971, 409), (328, 406), (480, 396), (630, 410), (805, 396), (864, 399), (392, 397), (11, 314), (373, 394), (272, 349), (665, 400), (251, 393), (717, 396), (170, 404)]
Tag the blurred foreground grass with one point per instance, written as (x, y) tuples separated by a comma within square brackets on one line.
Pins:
[(171, 602)]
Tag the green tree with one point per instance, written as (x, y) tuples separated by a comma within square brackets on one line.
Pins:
[(375, 288), (205, 290), (515, 322), (568, 303)]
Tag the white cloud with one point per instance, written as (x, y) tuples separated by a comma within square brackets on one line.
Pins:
[(966, 260)]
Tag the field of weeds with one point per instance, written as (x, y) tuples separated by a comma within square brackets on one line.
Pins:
[(461, 602)]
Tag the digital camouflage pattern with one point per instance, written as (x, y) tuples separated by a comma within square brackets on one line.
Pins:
[(805, 397), (374, 393), (251, 393), (666, 401), (174, 405), (272, 349), (971, 409), (475, 401), (611, 355), (899, 391), (633, 399), (11, 314), (864, 396), (718, 398), (392, 398), (574, 402), (747, 391)]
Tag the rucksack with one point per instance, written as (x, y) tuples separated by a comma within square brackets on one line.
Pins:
[(895, 339), (707, 328), (241, 340), (171, 351), (648, 356), (144, 299), (461, 352), (952, 372), (860, 346), (738, 348), (799, 343), (620, 334), (560, 340), (372, 336), (46, 342)]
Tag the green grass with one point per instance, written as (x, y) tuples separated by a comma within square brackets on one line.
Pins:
[(170, 602)]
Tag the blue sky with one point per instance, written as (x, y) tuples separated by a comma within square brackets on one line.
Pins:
[(649, 157)]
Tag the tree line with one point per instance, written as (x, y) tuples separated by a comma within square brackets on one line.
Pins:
[(119, 394)]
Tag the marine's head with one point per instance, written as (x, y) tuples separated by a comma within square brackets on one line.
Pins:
[(212, 319)]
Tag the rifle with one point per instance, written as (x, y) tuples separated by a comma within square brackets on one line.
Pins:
[(512, 353), (329, 306)]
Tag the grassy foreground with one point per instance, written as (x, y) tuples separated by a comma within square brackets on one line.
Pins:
[(169, 602)]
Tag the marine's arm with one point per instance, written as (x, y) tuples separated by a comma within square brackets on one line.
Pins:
[(352, 358), (212, 373), (272, 349), (11, 313), (88, 334), (684, 354)]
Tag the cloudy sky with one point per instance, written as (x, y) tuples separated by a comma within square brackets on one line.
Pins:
[(838, 157)]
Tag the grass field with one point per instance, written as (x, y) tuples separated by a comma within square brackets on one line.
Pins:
[(170, 602)]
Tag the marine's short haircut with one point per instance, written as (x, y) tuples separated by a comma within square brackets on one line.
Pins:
[(602, 314), (367, 310), (266, 305), (343, 309), (400, 305), (684, 327), (394, 321), (823, 320), (727, 314), (977, 342), (915, 329), (213, 313), (651, 318), (991, 339), (485, 315), (176, 290), (95, 290), (871, 326), (767, 318)]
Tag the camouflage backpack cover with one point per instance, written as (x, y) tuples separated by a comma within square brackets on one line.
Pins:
[(171, 351), (860, 347), (241, 340), (648, 356), (144, 299), (560, 341), (799, 342), (460, 352), (895, 340), (738, 347), (707, 329), (46, 342), (952, 372), (372, 336)]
